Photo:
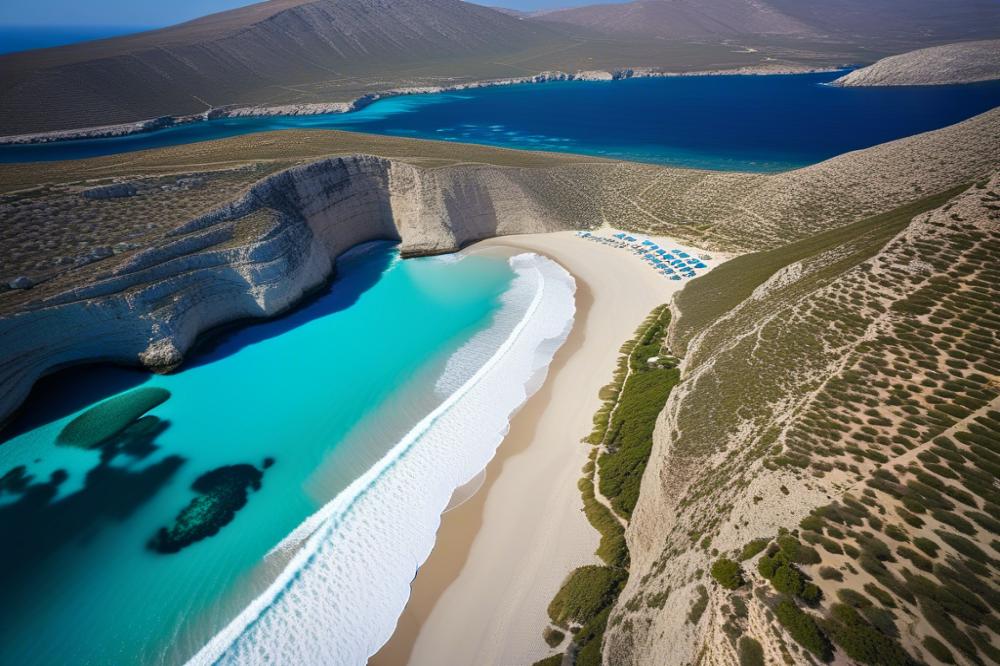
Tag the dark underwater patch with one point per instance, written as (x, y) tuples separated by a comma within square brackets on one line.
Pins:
[(221, 493)]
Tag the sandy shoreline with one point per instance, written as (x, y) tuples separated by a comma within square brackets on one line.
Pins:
[(501, 555)]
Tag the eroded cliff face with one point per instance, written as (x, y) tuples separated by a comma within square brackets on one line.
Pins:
[(835, 367), (258, 256)]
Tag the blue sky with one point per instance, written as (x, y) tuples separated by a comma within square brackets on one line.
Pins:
[(109, 12), (154, 14)]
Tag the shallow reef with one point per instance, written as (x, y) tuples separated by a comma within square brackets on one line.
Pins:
[(105, 420), (221, 493)]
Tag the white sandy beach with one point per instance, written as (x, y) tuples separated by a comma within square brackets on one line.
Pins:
[(501, 555)]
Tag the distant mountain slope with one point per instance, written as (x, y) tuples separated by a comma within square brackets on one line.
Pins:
[(258, 54), (965, 62), (926, 21), (682, 18), (854, 21)]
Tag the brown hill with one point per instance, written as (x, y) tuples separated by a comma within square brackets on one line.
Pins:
[(681, 18), (870, 23), (256, 54)]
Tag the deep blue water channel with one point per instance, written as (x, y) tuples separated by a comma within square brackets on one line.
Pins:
[(740, 123)]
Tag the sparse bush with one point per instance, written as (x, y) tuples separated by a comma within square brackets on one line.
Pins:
[(585, 593), (753, 548), (698, 606), (750, 651), (553, 637), (926, 545), (727, 573), (829, 573), (863, 642), (938, 650), (803, 629)]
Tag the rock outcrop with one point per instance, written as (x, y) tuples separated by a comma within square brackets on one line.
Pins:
[(965, 62), (258, 256)]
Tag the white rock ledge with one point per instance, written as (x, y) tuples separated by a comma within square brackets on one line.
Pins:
[(259, 256)]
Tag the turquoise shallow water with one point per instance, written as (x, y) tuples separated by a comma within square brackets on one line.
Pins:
[(744, 123), (325, 391)]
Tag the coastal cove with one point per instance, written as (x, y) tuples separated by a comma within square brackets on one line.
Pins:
[(337, 412), (753, 123)]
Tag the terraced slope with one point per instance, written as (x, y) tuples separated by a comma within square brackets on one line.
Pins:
[(857, 387)]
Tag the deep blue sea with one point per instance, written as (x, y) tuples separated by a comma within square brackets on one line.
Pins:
[(24, 38), (745, 123)]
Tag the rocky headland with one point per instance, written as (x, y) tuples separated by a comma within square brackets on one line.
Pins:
[(965, 62)]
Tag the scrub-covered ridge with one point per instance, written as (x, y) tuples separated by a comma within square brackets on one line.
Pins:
[(821, 482)]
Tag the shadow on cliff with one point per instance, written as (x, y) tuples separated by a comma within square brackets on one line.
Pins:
[(39, 523), (68, 391), (355, 275)]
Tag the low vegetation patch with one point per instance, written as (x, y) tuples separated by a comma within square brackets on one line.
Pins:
[(727, 573), (587, 591), (629, 438)]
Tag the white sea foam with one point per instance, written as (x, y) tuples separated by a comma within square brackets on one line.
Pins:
[(338, 598)]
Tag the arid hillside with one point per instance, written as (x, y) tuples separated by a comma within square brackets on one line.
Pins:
[(682, 18), (822, 480), (873, 24), (965, 62), (256, 54)]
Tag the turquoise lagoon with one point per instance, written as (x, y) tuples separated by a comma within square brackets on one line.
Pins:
[(326, 391), (743, 123)]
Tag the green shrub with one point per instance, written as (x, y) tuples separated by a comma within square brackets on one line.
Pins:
[(796, 551), (881, 595), (753, 548), (803, 629), (955, 520), (938, 650), (895, 533), (926, 545), (586, 592), (750, 651), (612, 547), (938, 618), (727, 573), (813, 523), (554, 660), (853, 598), (882, 620), (788, 580), (589, 639), (861, 641), (553, 637), (963, 545), (909, 518), (698, 606), (918, 560), (630, 437), (829, 573)]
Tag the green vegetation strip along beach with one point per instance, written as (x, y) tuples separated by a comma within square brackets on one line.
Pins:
[(624, 423)]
